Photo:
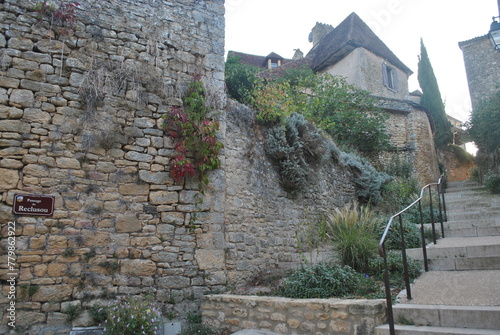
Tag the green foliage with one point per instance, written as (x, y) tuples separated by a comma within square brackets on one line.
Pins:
[(482, 126), (131, 316), (295, 148), (431, 99), (395, 266), (492, 182), (241, 80), (73, 312), (195, 326), (327, 281), (98, 314), (398, 193), (461, 154), (348, 114), (398, 167), (68, 252), (474, 174), (393, 239), (353, 232), (273, 102), (367, 180), (196, 143)]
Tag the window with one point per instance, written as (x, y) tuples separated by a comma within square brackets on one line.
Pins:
[(390, 76)]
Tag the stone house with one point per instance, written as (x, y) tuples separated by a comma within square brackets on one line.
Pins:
[(481, 60), (352, 50)]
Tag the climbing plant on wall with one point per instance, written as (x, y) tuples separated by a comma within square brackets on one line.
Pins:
[(196, 143)]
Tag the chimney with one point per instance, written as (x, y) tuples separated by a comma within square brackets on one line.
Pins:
[(319, 31), (299, 54)]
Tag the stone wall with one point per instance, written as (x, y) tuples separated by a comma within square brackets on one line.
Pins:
[(410, 133), (481, 66), (263, 222), (80, 119), (294, 316)]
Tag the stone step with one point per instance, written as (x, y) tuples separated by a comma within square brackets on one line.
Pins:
[(426, 330), (470, 253), (480, 317), (473, 215), (474, 228)]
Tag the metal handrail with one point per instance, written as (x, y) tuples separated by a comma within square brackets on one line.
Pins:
[(381, 245)]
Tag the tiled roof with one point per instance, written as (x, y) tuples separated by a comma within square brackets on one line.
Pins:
[(258, 61), (347, 36)]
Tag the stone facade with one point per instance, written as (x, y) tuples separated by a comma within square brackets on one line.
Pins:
[(80, 119), (294, 316), (481, 66), (363, 69)]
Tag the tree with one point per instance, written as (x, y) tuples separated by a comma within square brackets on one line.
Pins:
[(241, 79), (483, 124), (431, 99)]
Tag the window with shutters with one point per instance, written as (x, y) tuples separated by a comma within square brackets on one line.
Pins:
[(390, 76)]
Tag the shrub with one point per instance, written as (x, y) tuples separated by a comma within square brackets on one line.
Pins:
[(368, 181), (393, 239), (98, 314), (492, 182), (294, 148), (395, 266), (241, 80), (398, 193), (398, 167), (130, 317), (353, 233), (326, 281)]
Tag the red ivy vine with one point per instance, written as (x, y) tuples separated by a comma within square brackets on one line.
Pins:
[(61, 16), (195, 136)]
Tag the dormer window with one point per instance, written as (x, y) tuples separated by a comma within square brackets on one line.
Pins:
[(274, 63), (390, 76)]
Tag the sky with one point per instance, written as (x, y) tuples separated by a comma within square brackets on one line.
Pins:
[(260, 27)]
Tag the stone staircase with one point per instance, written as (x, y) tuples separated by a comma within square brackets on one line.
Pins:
[(461, 292)]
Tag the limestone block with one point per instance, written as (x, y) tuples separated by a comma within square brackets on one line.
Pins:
[(57, 242), (128, 223), (105, 167), (36, 115), (10, 112), (9, 83), (173, 217), (14, 126), (53, 293), (34, 170), (159, 178), (163, 197), (52, 46), (173, 282), (39, 86), (56, 269), (210, 259), (134, 189), (24, 318), (137, 267), (138, 157), (8, 179), (37, 243), (11, 164), (67, 163), (19, 43)]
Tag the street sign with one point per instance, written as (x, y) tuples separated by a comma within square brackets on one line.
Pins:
[(33, 204)]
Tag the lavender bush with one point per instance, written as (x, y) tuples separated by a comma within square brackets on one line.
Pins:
[(132, 317)]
